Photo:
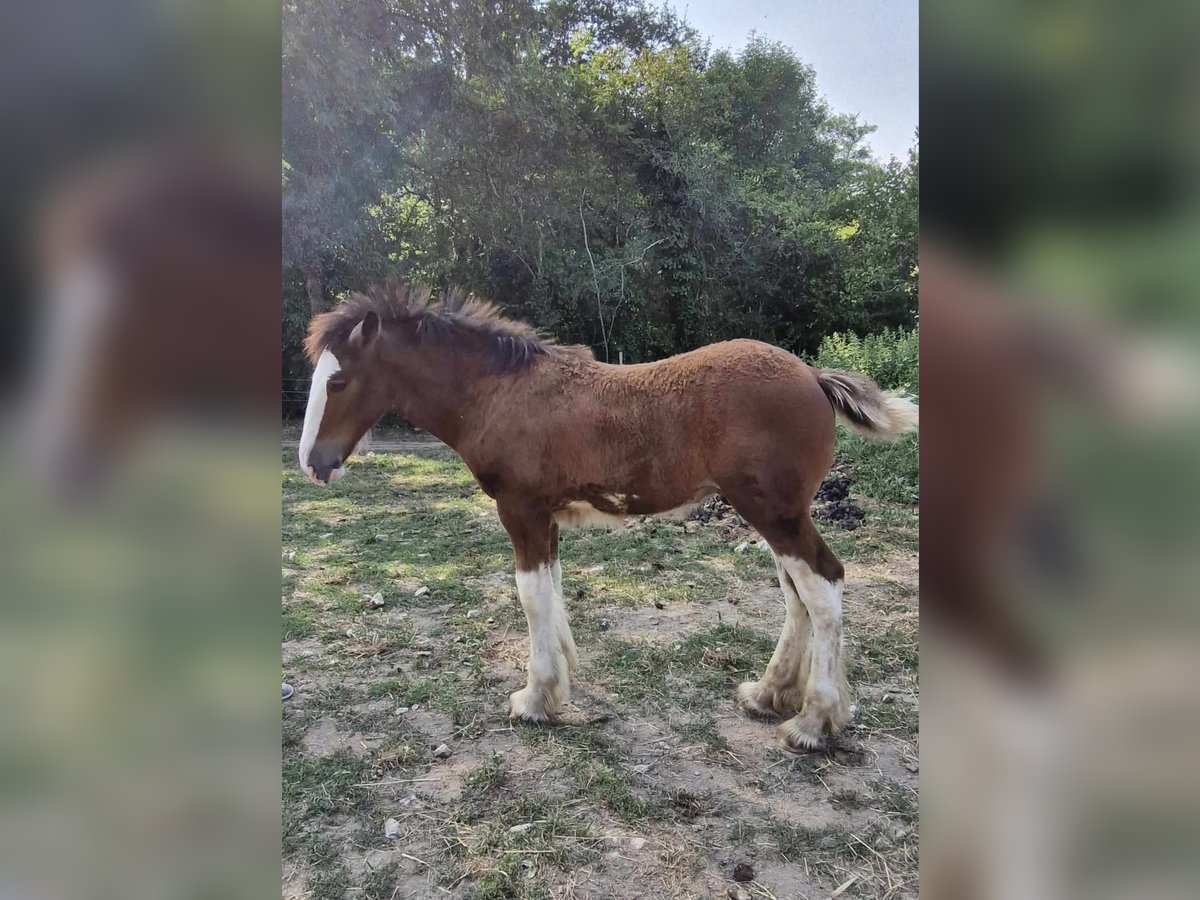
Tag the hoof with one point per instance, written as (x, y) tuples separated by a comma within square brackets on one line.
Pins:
[(529, 706), (812, 731), (765, 703), (803, 734)]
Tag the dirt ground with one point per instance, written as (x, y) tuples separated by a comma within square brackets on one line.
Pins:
[(654, 786)]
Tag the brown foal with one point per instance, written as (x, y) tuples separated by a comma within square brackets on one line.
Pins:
[(559, 439)]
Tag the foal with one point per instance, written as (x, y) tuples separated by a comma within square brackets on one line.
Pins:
[(559, 439)]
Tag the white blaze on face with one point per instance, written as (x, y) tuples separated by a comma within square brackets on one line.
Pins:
[(77, 310), (327, 367)]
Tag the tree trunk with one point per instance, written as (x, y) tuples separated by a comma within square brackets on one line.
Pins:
[(314, 286)]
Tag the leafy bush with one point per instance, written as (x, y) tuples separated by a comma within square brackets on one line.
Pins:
[(880, 469), (890, 357)]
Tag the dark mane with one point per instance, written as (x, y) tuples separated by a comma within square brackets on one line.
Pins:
[(454, 314)]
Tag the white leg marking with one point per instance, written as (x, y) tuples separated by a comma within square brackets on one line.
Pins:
[(76, 311), (566, 641), (548, 687), (781, 689), (824, 697), (327, 366)]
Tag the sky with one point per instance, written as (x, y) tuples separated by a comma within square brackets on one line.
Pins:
[(863, 51)]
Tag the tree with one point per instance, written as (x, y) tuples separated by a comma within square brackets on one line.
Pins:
[(591, 166)]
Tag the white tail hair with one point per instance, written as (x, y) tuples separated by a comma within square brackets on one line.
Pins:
[(862, 405)]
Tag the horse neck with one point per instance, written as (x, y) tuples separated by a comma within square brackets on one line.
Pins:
[(437, 389)]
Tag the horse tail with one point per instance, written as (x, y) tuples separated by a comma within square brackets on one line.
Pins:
[(862, 405)]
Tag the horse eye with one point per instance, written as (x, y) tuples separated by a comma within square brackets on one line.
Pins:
[(336, 384)]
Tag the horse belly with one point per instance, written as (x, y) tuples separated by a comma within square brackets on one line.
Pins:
[(611, 508)]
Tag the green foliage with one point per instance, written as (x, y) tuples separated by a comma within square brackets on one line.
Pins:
[(890, 357), (883, 470), (590, 166)]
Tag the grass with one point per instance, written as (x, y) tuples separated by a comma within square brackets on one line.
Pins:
[(324, 784), (647, 753), (695, 670), (881, 470)]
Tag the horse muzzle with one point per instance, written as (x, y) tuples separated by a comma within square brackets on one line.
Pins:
[(324, 466)]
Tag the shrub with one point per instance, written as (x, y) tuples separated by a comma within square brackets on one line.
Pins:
[(880, 469), (890, 357)]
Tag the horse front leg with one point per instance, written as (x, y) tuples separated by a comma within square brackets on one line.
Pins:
[(566, 640), (551, 646)]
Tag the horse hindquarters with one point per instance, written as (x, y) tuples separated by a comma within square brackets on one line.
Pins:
[(769, 471)]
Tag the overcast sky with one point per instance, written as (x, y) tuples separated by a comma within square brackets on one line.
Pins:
[(863, 51)]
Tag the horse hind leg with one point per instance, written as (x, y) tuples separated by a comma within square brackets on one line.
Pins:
[(780, 691), (806, 675), (818, 577)]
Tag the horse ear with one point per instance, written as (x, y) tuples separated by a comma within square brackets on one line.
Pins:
[(365, 331)]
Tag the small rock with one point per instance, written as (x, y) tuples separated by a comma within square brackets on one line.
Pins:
[(375, 600), (473, 614), (415, 707), (889, 698), (742, 547), (391, 829), (421, 591), (520, 829), (743, 872), (658, 604), (637, 843), (401, 710), (380, 538), (737, 892), (442, 752)]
